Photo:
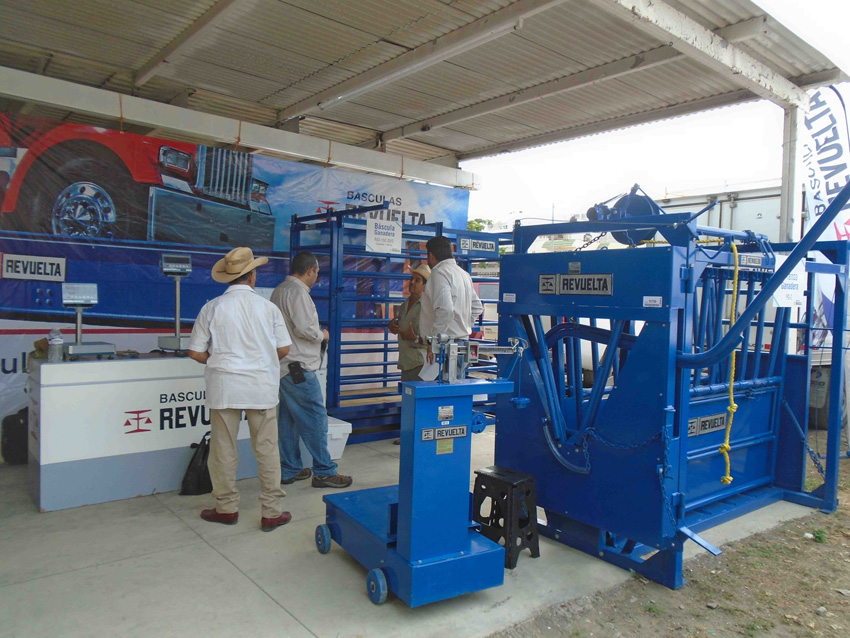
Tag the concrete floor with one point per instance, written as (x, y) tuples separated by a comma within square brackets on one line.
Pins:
[(149, 566)]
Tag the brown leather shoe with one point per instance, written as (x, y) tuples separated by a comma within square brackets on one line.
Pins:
[(217, 517), (268, 524), (303, 475), (334, 480)]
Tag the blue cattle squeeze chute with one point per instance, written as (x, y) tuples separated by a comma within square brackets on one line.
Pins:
[(691, 406)]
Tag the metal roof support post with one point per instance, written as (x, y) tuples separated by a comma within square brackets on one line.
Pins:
[(791, 193), (335, 290)]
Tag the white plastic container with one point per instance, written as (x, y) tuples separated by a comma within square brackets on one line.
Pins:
[(338, 432)]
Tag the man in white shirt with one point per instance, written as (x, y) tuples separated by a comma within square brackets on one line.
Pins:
[(450, 305), (241, 337), (302, 410)]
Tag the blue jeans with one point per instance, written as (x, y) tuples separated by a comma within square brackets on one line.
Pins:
[(302, 413)]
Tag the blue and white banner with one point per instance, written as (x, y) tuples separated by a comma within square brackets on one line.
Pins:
[(826, 158), (825, 140), (304, 189)]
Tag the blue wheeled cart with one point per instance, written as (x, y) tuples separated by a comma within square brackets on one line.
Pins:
[(417, 538)]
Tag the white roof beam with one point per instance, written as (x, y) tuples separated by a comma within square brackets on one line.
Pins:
[(28, 87), (745, 30), (152, 66), (662, 21), (640, 62), (458, 41)]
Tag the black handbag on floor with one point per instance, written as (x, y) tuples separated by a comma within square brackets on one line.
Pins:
[(13, 440), (197, 478)]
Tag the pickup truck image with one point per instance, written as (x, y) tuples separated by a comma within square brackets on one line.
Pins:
[(77, 180)]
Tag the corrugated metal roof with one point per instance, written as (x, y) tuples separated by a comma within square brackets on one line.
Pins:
[(573, 31), (20, 25), (517, 61), (260, 57), (377, 119), (409, 103), (326, 129), (409, 23)]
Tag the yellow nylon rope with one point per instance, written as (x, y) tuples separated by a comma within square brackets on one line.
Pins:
[(733, 407)]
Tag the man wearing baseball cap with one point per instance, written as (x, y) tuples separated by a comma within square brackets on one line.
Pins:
[(241, 337), (411, 352)]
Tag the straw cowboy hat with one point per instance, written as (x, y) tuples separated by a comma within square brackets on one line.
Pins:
[(423, 271), (236, 263)]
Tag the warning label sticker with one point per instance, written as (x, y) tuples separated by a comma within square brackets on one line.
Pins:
[(446, 446)]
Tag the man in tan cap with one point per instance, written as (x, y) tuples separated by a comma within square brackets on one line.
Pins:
[(411, 353), (241, 337), (411, 350)]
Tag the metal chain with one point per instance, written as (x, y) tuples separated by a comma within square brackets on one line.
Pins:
[(815, 460), (663, 475), (804, 439), (593, 240), (592, 433)]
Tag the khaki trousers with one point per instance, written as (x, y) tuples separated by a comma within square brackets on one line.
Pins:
[(224, 459)]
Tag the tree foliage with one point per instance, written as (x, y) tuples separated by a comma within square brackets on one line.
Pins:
[(479, 224)]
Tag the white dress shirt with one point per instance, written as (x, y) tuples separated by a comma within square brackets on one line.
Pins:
[(449, 303), (242, 332)]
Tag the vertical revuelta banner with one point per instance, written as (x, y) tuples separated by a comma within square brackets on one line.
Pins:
[(826, 158)]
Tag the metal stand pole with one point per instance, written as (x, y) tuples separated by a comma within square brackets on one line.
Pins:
[(79, 330), (177, 307)]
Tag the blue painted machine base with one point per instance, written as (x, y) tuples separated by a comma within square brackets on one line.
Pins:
[(364, 524), (664, 564)]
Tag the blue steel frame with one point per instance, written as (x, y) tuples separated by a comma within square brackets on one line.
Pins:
[(337, 237), (626, 469)]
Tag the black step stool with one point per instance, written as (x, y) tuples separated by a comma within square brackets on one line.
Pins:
[(512, 520)]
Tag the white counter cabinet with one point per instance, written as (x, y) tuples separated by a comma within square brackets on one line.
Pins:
[(107, 430)]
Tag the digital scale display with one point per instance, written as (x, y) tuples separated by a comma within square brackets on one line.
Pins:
[(79, 294), (179, 265)]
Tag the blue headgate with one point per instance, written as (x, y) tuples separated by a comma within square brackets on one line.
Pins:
[(690, 365)]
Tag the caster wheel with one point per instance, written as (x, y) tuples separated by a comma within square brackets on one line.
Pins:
[(376, 586), (323, 539)]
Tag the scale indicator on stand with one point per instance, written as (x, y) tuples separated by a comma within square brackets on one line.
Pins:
[(79, 296), (177, 267)]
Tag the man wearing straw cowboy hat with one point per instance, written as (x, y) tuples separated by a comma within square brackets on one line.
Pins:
[(241, 337)]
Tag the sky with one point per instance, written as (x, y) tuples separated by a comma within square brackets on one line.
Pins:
[(724, 149)]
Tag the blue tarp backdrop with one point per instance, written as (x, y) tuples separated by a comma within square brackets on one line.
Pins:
[(85, 204)]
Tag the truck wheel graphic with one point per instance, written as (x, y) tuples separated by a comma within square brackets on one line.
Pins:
[(83, 209), (87, 197)]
